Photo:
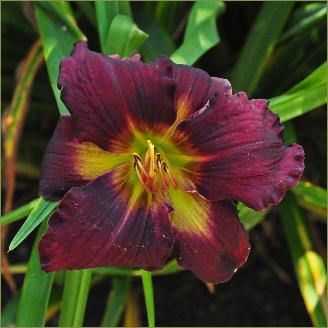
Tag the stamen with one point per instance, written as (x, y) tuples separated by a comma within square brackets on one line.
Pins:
[(138, 162), (171, 177), (140, 177), (147, 172), (159, 165)]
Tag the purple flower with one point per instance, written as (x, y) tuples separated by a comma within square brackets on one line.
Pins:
[(150, 159)]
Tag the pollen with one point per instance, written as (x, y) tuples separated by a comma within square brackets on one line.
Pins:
[(153, 172)]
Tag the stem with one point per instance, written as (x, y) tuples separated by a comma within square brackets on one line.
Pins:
[(149, 296)]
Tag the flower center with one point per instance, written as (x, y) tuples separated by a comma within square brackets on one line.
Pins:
[(153, 170)]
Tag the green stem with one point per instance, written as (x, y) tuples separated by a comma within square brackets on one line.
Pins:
[(149, 296)]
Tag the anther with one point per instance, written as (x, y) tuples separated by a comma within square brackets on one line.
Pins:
[(139, 164), (161, 174)]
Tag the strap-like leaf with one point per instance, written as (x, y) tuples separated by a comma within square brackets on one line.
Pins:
[(312, 197), (201, 32), (106, 12), (76, 291), (307, 95), (259, 45), (59, 32), (308, 264), (36, 290), (124, 38), (116, 301), (41, 212), (19, 213)]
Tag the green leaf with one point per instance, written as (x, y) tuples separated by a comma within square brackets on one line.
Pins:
[(147, 284), (306, 22), (41, 212), (159, 41), (59, 32), (124, 37), (9, 311), (105, 12), (168, 14), (36, 290), (76, 291), (249, 217), (201, 32), (19, 213), (311, 197), (308, 264), (259, 45), (116, 302), (307, 95), (88, 9)]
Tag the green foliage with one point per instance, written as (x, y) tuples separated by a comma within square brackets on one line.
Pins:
[(19, 213), (76, 291), (59, 32), (308, 264), (36, 290), (9, 311), (40, 212), (307, 95), (124, 38), (201, 32), (106, 11), (116, 301), (311, 197), (259, 45)]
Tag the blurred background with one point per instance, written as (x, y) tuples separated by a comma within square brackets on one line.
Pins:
[(265, 49)]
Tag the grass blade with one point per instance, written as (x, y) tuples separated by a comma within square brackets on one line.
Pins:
[(308, 265), (312, 198), (36, 290), (201, 32), (149, 296), (259, 45), (116, 301), (124, 38), (19, 213), (41, 212), (76, 291), (307, 95), (106, 12), (59, 32)]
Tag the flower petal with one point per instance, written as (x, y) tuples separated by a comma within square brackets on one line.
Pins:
[(239, 152), (210, 240), (195, 88), (68, 163), (108, 97), (107, 223)]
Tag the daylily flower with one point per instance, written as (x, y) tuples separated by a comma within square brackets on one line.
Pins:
[(151, 158)]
